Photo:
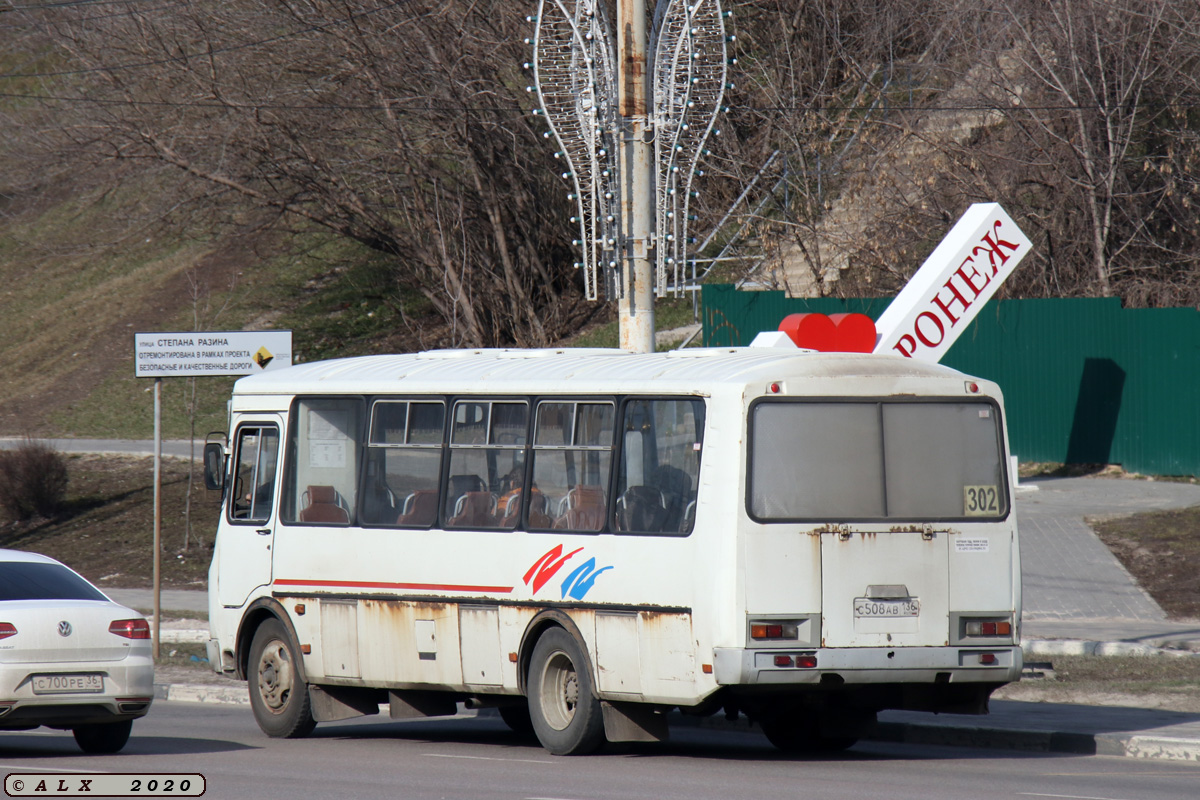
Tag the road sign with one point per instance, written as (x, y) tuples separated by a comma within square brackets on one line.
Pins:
[(195, 353)]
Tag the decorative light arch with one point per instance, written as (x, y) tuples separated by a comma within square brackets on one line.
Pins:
[(575, 79)]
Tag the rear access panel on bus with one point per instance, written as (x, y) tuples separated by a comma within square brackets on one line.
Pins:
[(884, 588)]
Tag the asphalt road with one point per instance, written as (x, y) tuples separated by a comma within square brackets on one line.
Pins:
[(480, 759)]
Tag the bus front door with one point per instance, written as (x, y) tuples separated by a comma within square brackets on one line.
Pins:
[(244, 545)]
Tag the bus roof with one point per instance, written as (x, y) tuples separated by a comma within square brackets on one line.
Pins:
[(569, 370)]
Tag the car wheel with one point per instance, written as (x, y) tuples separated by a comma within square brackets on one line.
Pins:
[(563, 708), (278, 693), (102, 738)]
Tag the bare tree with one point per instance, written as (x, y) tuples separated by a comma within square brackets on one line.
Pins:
[(1095, 92), (400, 125)]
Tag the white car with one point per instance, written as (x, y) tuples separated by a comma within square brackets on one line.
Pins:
[(70, 658)]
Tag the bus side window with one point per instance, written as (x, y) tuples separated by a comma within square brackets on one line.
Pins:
[(323, 452), (487, 463), (572, 453), (403, 463), (257, 454), (659, 466)]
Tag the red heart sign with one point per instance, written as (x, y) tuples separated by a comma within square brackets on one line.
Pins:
[(838, 333)]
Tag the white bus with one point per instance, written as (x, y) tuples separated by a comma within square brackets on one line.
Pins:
[(587, 540)]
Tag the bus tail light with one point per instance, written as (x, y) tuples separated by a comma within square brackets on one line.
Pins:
[(773, 630), (988, 628), (795, 661), (987, 658)]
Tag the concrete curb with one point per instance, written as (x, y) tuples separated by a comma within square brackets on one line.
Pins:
[(1084, 647), (183, 636), (234, 695)]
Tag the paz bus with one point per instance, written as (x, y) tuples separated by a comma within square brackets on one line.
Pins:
[(589, 540)]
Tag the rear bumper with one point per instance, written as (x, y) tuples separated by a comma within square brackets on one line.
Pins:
[(735, 666), (128, 693)]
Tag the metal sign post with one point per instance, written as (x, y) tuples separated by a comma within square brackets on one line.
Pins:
[(157, 513), (194, 354)]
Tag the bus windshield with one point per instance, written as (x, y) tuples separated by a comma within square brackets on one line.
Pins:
[(876, 460)]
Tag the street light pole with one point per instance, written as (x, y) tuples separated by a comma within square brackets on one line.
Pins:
[(636, 152)]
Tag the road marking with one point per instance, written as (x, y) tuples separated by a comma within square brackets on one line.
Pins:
[(1068, 796), (487, 758), (40, 768)]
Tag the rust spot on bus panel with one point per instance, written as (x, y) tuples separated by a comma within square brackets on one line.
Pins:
[(654, 620)]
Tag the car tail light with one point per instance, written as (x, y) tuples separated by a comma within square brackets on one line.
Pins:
[(130, 628), (7, 629)]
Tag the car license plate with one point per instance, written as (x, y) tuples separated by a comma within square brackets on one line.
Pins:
[(882, 609), (68, 684)]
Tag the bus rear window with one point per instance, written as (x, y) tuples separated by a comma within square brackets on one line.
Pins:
[(894, 460)]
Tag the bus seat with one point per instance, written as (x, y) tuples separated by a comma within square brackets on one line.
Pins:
[(641, 508), (469, 482), (323, 506), (538, 518), (474, 510), (420, 508), (585, 509)]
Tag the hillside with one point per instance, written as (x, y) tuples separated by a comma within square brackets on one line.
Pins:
[(371, 177)]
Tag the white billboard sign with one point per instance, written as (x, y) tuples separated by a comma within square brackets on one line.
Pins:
[(946, 293), (194, 353)]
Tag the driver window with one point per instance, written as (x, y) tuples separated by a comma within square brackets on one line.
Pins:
[(253, 476)]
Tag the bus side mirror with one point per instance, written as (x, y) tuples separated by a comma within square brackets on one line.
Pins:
[(214, 463)]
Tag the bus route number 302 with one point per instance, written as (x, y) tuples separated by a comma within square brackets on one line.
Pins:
[(981, 501)]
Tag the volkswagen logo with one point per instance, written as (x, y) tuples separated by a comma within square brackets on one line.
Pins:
[(64, 628)]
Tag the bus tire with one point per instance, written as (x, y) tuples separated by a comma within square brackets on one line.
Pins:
[(563, 708), (516, 717), (798, 736), (278, 692)]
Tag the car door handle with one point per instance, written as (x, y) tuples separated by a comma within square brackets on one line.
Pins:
[(263, 531)]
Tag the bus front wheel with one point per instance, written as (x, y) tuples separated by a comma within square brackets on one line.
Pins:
[(278, 693), (563, 707)]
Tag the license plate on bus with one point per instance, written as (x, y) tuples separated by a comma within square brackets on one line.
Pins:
[(68, 684), (873, 608)]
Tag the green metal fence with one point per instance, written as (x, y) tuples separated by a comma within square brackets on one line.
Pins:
[(1085, 381)]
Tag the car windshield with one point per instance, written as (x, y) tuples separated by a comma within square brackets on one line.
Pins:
[(27, 580)]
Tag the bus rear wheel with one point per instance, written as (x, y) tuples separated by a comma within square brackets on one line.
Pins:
[(563, 707), (800, 734), (278, 693)]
